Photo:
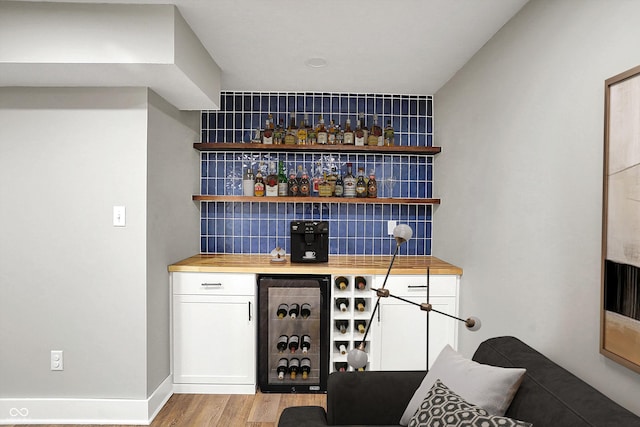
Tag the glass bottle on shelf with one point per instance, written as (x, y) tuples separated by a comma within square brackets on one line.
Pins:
[(291, 137), (365, 129), (258, 185), (324, 188), (278, 133), (293, 187), (304, 187), (321, 132), (375, 135), (349, 182), (283, 181), (338, 189), (348, 134), (389, 134), (302, 132), (248, 181), (331, 133), (267, 134), (372, 185), (316, 178), (312, 134), (271, 183), (358, 135), (361, 184), (331, 179)]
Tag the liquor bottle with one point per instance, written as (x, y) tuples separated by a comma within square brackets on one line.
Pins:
[(361, 184), (331, 133), (316, 177), (294, 310), (331, 179), (291, 137), (283, 309), (267, 134), (324, 187), (361, 304), (348, 134), (341, 366), (279, 132), (375, 135), (372, 185), (342, 326), (271, 183), (258, 185), (342, 346), (283, 367), (304, 187), (361, 326), (294, 343), (305, 310), (338, 189), (283, 182), (293, 188), (365, 129), (305, 367), (248, 181), (312, 133), (294, 367), (359, 138), (349, 183), (361, 283), (282, 343), (389, 134), (302, 132), (342, 304), (342, 283), (305, 345), (339, 135), (321, 131)]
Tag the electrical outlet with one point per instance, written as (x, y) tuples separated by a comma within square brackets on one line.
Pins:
[(390, 226), (57, 360)]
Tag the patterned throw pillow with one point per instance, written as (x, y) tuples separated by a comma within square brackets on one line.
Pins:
[(443, 408)]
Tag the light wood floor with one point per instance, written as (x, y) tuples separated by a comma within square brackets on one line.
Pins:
[(226, 410)]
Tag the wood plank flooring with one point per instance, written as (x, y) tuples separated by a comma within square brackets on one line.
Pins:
[(223, 410)]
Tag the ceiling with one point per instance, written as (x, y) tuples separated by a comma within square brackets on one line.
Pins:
[(370, 46)]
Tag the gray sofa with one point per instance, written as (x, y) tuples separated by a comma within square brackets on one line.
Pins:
[(548, 396)]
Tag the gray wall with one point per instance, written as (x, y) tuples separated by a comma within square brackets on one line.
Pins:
[(520, 174), (69, 280)]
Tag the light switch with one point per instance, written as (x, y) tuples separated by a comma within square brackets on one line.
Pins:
[(119, 216), (391, 225)]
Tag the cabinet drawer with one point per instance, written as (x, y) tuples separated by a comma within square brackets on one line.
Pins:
[(416, 285), (213, 283)]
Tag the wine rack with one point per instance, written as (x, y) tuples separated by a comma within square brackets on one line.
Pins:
[(351, 318)]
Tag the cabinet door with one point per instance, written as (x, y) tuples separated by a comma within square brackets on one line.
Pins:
[(403, 333), (214, 339)]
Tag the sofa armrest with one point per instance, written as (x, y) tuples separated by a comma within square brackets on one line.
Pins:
[(308, 416), (370, 397)]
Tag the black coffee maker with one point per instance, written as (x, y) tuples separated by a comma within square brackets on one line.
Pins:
[(309, 241)]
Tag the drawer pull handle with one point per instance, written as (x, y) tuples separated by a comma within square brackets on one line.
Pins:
[(249, 311), (417, 286), (217, 285)]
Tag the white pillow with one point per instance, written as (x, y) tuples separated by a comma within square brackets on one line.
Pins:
[(489, 387)]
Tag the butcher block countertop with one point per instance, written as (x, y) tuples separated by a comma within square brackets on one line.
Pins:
[(338, 264)]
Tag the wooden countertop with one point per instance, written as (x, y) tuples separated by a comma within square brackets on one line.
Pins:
[(338, 264)]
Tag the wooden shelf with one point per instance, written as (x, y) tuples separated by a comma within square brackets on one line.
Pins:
[(235, 146), (352, 200)]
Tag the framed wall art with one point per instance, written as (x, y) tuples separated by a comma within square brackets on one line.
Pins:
[(620, 314)]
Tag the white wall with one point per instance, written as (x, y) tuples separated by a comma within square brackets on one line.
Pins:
[(520, 175), (69, 280)]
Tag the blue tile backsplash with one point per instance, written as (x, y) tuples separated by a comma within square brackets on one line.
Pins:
[(360, 229)]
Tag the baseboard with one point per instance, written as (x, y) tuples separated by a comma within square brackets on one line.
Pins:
[(214, 388), (85, 411)]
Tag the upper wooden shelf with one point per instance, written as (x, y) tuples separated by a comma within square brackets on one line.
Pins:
[(236, 146), (367, 200)]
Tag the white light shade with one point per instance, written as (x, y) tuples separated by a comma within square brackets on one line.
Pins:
[(357, 358), (402, 233)]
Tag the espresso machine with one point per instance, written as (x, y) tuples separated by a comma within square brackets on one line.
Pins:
[(309, 241)]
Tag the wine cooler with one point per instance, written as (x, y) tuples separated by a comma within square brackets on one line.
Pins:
[(293, 319)]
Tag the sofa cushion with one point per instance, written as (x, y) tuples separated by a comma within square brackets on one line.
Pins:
[(492, 388), (443, 407)]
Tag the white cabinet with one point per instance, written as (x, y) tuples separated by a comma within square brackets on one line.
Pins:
[(214, 332)]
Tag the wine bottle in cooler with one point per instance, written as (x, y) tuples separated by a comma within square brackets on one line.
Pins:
[(342, 283), (342, 326), (341, 366), (305, 345), (305, 310), (282, 343), (294, 310), (361, 326), (283, 367), (342, 304), (305, 367), (361, 283), (342, 347), (294, 367), (294, 343), (283, 309), (361, 304)]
